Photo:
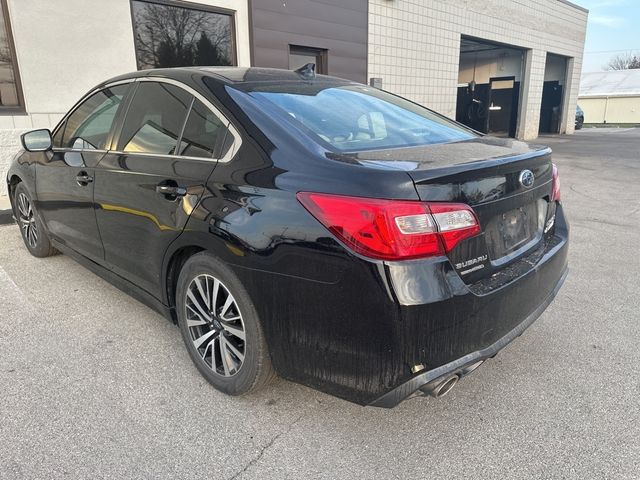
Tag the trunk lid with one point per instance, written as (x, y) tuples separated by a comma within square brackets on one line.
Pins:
[(484, 173)]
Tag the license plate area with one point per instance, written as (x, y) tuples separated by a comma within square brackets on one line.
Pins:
[(511, 233), (514, 227)]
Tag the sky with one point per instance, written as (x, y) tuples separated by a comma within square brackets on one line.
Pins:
[(613, 29)]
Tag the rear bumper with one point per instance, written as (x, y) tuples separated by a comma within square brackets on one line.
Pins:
[(357, 331), (408, 388)]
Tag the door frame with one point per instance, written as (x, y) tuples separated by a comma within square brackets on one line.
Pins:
[(512, 127)]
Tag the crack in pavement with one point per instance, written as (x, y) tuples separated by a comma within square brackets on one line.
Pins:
[(264, 449)]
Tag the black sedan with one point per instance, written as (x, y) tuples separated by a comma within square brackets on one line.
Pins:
[(579, 117), (336, 234)]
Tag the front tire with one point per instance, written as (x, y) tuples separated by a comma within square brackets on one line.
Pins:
[(220, 327), (31, 226)]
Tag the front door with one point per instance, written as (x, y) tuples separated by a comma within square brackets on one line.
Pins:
[(148, 186), (65, 179)]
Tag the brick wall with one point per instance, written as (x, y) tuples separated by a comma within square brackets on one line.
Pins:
[(414, 46)]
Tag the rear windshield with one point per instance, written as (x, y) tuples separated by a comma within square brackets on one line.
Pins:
[(355, 117)]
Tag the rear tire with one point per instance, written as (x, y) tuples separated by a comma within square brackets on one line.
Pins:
[(221, 328), (32, 229)]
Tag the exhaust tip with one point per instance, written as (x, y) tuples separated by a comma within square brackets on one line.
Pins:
[(441, 388), (445, 386)]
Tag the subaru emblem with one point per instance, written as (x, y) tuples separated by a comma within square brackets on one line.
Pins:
[(526, 178)]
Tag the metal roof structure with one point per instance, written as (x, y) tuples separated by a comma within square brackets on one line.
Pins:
[(614, 83)]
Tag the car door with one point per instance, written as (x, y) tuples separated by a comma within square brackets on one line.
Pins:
[(65, 178), (149, 184)]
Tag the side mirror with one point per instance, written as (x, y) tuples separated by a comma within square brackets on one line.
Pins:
[(37, 140)]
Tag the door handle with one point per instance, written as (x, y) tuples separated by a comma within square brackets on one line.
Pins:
[(83, 179), (171, 190)]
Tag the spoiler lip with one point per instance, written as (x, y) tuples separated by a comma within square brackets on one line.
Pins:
[(422, 176), (427, 162)]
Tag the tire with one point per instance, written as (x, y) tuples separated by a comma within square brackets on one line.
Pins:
[(228, 347), (32, 229)]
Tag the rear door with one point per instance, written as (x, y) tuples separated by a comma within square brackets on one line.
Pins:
[(148, 185), (65, 180)]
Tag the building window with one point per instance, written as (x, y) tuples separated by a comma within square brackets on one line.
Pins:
[(300, 56), (170, 34), (10, 92)]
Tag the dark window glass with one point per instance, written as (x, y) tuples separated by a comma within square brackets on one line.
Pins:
[(155, 119), (172, 36), (89, 125), (356, 118), (300, 56), (10, 95), (203, 131)]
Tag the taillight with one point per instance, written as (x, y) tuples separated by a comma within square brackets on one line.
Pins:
[(455, 223), (392, 229), (555, 189)]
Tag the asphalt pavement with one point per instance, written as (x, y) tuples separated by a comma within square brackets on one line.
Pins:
[(95, 385)]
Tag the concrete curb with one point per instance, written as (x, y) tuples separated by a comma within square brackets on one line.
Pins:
[(6, 217)]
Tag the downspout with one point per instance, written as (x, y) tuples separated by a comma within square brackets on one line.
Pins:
[(606, 107)]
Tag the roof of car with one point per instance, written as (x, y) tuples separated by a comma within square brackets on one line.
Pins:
[(229, 75)]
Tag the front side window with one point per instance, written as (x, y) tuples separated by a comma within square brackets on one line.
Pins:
[(168, 35), (155, 119), (351, 118), (10, 92), (89, 125)]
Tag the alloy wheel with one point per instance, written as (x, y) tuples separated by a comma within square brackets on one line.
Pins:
[(215, 325), (27, 220)]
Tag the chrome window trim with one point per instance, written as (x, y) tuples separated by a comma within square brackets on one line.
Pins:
[(113, 84), (94, 150), (162, 155)]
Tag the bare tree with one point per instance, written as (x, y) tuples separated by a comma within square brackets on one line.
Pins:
[(5, 53), (626, 61)]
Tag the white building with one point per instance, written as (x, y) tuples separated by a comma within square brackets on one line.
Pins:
[(503, 66), (611, 97)]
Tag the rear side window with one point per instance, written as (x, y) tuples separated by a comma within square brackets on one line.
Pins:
[(203, 132), (155, 119), (89, 125)]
